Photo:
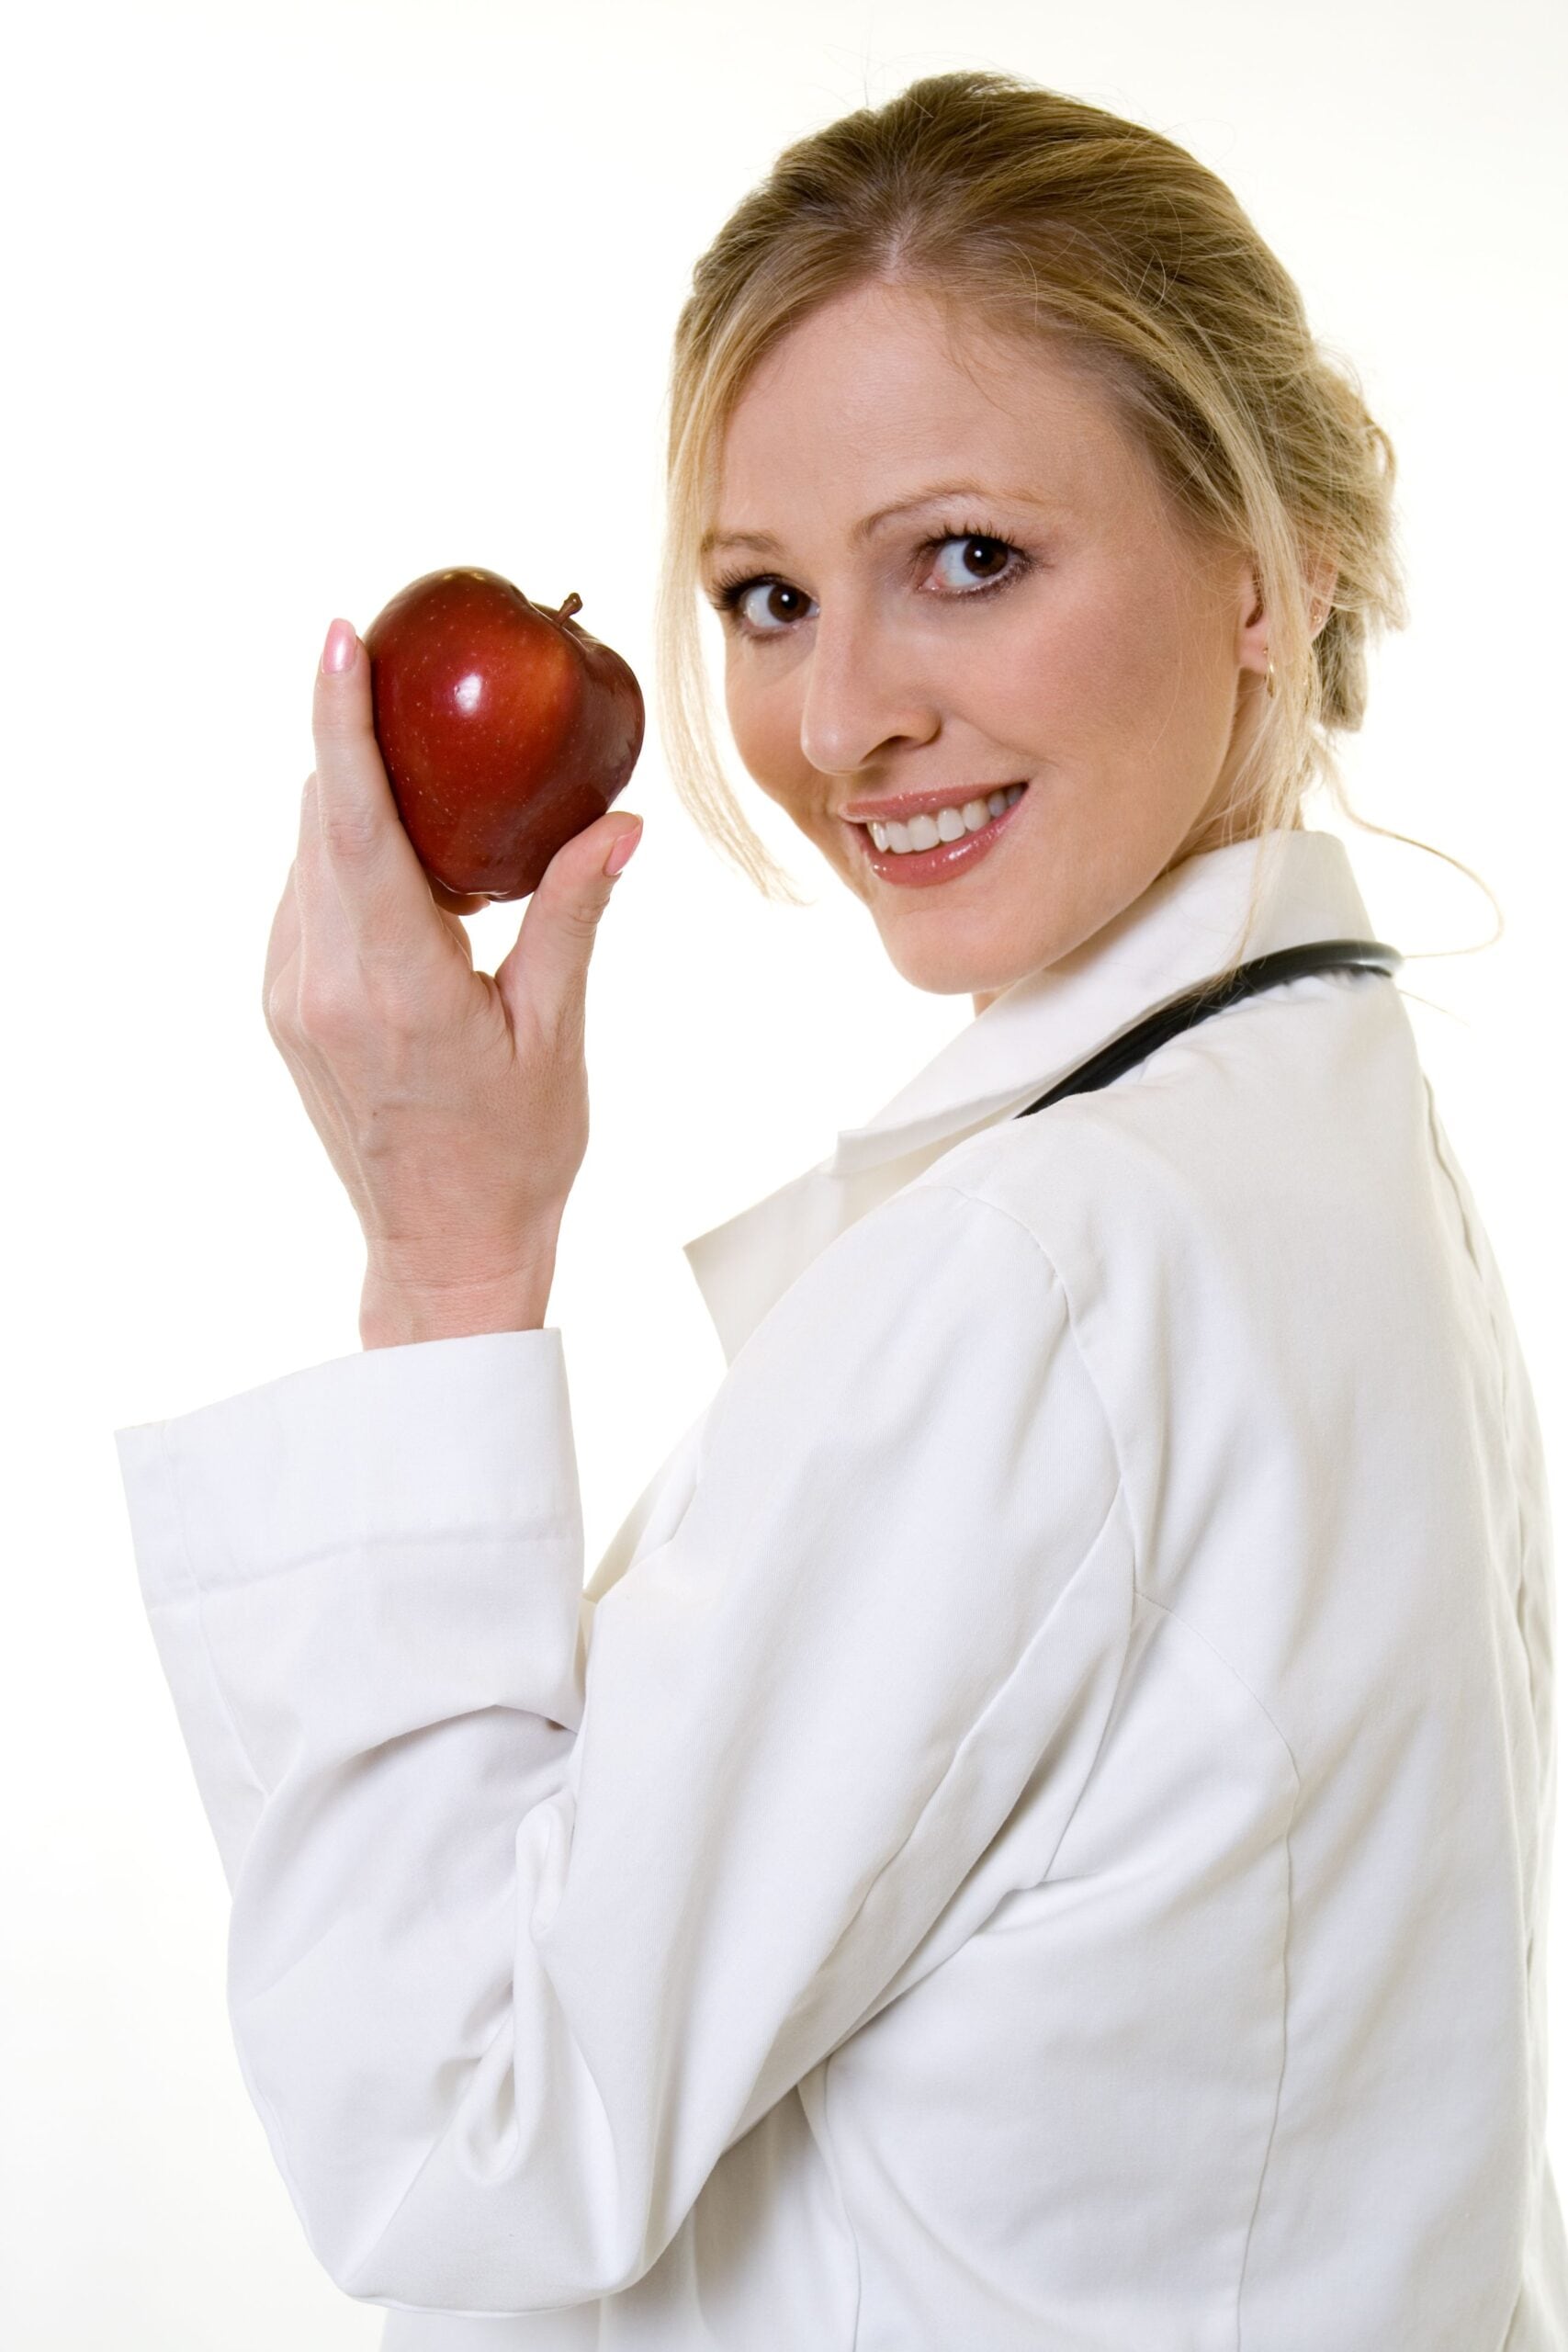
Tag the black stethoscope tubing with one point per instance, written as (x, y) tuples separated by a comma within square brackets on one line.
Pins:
[(1184, 1012)]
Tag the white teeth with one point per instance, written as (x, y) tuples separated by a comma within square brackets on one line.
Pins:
[(945, 825)]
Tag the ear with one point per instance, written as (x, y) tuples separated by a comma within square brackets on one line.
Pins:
[(1252, 643), (1321, 580)]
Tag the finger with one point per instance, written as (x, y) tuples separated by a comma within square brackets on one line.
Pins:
[(310, 883), (384, 890), (283, 940), (543, 978), (328, 962)]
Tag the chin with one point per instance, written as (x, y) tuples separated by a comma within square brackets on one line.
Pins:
[(945, 967)]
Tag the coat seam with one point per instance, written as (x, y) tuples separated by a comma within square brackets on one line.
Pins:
[(1501, 1361), (1284, 2060), (980, 1200), (1241, 1683), (1117, 1497), (973, 1731), (1142, 1594), (843, 2201), (1093, 1548), (343, 1548)]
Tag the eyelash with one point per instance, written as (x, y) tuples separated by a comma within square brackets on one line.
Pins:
[(728, 593)]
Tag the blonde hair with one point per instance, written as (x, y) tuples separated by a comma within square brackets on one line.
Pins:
[(1039, 217)]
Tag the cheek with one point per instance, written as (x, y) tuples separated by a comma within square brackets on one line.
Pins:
[(1103, 662), (764, 719)]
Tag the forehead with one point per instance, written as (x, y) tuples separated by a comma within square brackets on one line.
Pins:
[(883, 390)]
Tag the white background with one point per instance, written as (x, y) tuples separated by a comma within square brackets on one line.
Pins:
[(306, 299)]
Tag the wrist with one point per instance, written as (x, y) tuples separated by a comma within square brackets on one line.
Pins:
[(401, 1305)]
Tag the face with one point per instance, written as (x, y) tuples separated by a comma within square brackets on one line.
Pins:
[(1051, 624)]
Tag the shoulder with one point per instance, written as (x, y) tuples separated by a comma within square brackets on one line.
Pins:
[(1242, 1230), (1304, 1110), (934, 1325), (938, 1265)]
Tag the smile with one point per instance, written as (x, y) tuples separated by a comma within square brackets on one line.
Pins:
[(918, 869)]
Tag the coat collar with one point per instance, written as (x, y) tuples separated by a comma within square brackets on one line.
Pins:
[(1184, 926)]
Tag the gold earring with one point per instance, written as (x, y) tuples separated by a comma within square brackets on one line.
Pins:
[(1270, 680)]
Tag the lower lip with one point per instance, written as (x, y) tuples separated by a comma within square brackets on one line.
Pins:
[(918, 869)]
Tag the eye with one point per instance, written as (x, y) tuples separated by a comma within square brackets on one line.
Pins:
[(730, 597), (782, 605), (990, 549)]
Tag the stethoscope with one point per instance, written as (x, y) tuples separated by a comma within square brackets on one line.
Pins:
[(1185, 1011)]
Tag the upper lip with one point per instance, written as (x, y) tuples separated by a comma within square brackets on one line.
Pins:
[(923, 803)]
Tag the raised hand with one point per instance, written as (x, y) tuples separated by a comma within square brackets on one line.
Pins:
[(454, 1104)]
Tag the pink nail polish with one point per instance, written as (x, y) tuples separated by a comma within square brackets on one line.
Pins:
[(337, 654), (620, 855)]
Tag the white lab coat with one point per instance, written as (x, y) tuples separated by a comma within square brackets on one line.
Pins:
[(1035, 1838)]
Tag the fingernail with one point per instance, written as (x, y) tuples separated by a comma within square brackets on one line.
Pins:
[(338, 652), (620, 855)]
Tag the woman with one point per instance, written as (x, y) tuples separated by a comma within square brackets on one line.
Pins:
[(1036, 1833)]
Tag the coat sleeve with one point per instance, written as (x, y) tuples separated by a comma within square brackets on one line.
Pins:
[(539, 1903)]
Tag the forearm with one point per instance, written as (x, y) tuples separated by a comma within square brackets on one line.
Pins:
[(365, 1584)]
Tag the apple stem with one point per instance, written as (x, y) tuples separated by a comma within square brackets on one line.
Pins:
[(572, 604)]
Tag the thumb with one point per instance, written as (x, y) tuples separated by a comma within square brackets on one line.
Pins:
[(546, 972)]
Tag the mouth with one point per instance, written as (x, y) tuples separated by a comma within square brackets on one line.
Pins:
[(919, 868)]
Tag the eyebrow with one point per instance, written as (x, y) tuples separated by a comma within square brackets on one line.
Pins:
[(862, 530)]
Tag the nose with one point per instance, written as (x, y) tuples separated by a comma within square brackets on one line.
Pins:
[(861, 697)]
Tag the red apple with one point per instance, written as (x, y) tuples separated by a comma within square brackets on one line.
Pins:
[(504, 728)]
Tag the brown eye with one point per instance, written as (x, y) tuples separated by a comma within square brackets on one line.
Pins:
[(981, 561), (778, 601), (992, 552)]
